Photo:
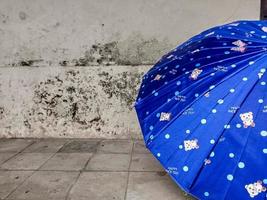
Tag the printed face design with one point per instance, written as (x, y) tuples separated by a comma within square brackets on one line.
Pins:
[(239, 43), (165, 116), (190, 144), (240, 46), (239, 49), (247, 119), (255, 188), (195, 73)]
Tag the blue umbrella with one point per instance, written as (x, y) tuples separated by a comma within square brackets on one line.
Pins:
[(202, 109)]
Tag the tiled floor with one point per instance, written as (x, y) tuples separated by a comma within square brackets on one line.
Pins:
[(82, 169)]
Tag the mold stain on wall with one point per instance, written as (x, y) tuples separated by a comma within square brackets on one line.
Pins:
[(74, 102), (135, 50), (2, 113), (64, 100), (22, 15), (124, 86)]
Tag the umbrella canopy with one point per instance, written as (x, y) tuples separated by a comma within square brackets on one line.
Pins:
[(203, 112)]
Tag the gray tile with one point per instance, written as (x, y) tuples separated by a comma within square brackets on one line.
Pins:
[(153, 185), (88, 146), (139, 147), (10, 180), (115, 146), (14, 145), (67, 161), (44, 185), (109, 162), (5, 156), (99, 186), (46, 146), (145, 162), (26, 161)]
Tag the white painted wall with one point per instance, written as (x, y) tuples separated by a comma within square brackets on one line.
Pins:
[(57, 30), (54, 98)]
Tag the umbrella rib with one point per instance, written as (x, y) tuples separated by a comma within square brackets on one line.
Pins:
[(224, 130), (220, 70), (223, 80), (185, 52), (206, 117), (246, 141), (183, 75), (174, 152)]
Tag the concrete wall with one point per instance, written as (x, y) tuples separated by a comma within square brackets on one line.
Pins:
[(72, 68)]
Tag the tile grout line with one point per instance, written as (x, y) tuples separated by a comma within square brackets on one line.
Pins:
[(128, 174), (63, 146), (72, 185), (16, 153), (78, 173), (81, 171), (39, 168), (12, 191), (34, 171), (52, 155)]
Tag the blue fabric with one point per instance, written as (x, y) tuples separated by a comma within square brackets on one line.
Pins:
[(203, 112)]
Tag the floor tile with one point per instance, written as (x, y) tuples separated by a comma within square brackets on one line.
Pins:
[(139, 147), (153, 185), (26, 161), (46, 146), (100, 186), (115, 146), (14, 145), (5, 156), (44, 185), (80, 147), (10, 180), (109, 162), (67, 161), (145, 162)]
